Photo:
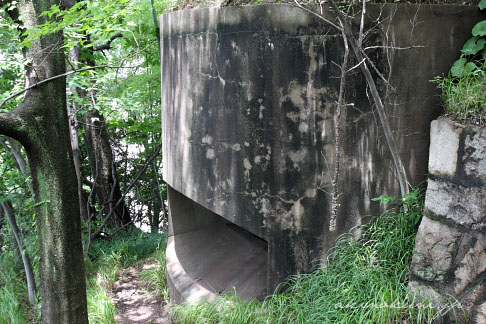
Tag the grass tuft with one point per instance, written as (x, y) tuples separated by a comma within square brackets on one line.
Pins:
[(155, 278), (464, 98), (14, 305)]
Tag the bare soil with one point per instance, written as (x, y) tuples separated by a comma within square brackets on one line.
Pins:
[(132, 301)]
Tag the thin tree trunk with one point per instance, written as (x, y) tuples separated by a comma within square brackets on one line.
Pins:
[(29, 273), (392, 146), (106, 185), (156, 27), (335, 194), (74, 58), (130, 186), (18, 158)]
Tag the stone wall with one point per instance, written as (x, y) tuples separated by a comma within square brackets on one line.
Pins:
[(449, 260)]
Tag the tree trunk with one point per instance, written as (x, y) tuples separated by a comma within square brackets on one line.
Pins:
[(155, 221), (14, 149), (29, 273), (40, 123), (106, 186), (74, 57)]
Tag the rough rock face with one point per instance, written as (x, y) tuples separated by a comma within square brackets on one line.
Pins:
[(450, 250), (248, 101)]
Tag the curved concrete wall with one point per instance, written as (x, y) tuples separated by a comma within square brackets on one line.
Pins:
[(248, 99)]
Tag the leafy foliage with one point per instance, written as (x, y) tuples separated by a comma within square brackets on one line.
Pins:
[(128, 96), (473, 53), (464, 89), (11, 61)]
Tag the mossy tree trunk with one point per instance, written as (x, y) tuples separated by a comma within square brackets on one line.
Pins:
[(40, 123), (106, 184)]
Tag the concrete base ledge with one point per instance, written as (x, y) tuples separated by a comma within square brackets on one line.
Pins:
[(214, 261)]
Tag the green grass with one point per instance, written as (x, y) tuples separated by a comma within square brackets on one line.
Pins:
[(464, 98), (12, 292), (155, 278), (365, 281), (106, 260), (14, 305)]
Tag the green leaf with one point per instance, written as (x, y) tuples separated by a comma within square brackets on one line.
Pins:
[(462, 68), (457, 68), (473, 45), (410, 197), (383, 199), (40, 203), (482, 4), (479, 29), (470, 68)]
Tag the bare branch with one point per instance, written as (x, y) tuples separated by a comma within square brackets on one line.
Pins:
[(107, 45), (317, 15), (399, 167), (337, 135), (357, 65), (361, 26), (61, 76), (394, 47), (130, 186)]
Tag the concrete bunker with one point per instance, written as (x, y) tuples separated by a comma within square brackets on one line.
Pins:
[(247, 121)]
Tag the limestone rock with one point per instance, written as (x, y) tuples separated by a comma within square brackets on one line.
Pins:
[(464, 205), (481, 313), (471, 266), (427, 293), (474, 153), (469, 304), (444, 146), (434, 250)]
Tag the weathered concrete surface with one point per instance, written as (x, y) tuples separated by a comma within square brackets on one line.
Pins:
[(214, 261), (208, 256), (449, 258), (248, 101)]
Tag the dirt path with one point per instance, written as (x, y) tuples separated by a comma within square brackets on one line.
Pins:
[(133, 303)]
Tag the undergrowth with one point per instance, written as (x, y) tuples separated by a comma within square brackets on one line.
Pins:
[(464, 98), (106, 259), (13, 292), (155, 278), (365, 281), (14, 301)]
